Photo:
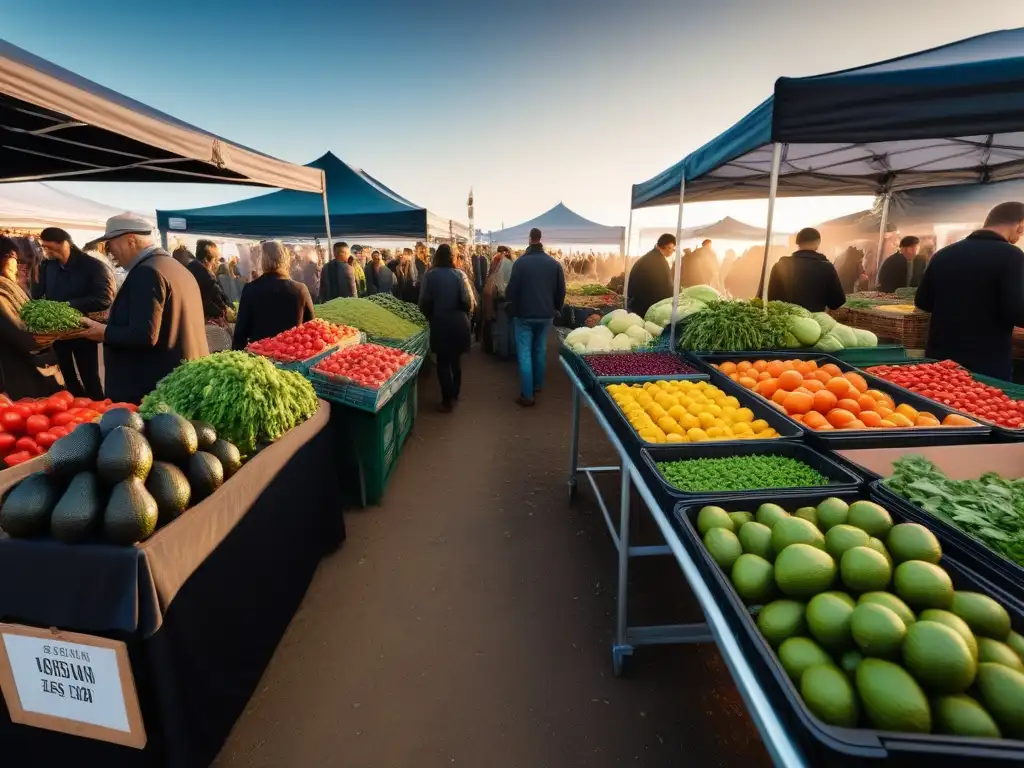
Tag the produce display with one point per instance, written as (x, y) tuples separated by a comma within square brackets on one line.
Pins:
[(588, 289), (29, 427), (303, 342), (367, 365), (367, 316), (867, 623), (245, 398), (990, 508), (739, 473), (691, 300), (618, 331), (45, 316), (403, 309), (638, 364), (119, 480), (686, 412), (897, 309), (825, 398), (952, 385)]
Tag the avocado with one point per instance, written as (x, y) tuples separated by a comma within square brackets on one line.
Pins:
[(124, 453), (173, 438), (75, 452), (78, 510), (205, 433), (170, 489), (131, 514), (230, 458), (27, 508), (120, 417), (205, 475)]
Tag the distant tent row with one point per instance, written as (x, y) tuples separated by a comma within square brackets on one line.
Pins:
[(560, 225)]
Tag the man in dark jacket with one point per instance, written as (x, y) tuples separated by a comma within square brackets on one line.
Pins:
[(536, 292), (72, 275), (902, 269), (379, 279), (156, 320), (807, 278), (975, 292), (338, 277), (650, 279), (215, 303)]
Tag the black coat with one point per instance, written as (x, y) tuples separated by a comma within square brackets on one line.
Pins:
[(215, 303), (86, 283), (536, 290), (806, 279), (447, 301), (337, 280), (650, 281), (975, 292), (893, 274), (270, 305), (19, 372), (155, 323)]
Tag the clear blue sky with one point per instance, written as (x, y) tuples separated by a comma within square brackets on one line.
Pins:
[(530, 102)]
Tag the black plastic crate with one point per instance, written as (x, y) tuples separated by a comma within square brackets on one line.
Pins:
[(840, 439), (1003, 572), (787, 428), (841, 479), (824, 744)]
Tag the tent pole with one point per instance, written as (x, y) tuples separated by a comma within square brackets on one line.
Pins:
[(881, 238), (678, 268), (327, 214), (773, 189), (625, 260)]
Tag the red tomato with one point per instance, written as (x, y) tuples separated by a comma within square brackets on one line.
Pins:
[(64, 395), (59, 432), (62, 418), (36, 424), (45, 439), (27, 444), (12, 421), (7, 441), (13, 459), (81, 402)]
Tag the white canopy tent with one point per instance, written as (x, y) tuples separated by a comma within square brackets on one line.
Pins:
[(34, 205), (561, 225)]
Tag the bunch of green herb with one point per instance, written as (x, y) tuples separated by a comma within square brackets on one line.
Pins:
[(45, 316), (367, 316), (990, 508), (860, 304), (734, 326), (246, 398), (403, 309), (740, 473)]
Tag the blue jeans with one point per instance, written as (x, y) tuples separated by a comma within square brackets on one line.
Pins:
[(531, 351)]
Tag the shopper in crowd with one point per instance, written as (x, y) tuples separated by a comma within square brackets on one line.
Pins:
[(974, 290), (229, 280), (650, 279), (379, 279), (215, 303), (338, 277), (536, 292), (807, 278), (850, 268), (272, 303), (700, 267), (447, 301), (156, 320), (182, 255), (422, 262), (491, 297), (20, 355), (405, 278), (902, 269), (69, 274)]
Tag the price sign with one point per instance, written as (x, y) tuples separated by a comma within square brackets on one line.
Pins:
[(72, 683)]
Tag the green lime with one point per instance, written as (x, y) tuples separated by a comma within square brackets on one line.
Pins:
[(993, 651), (1016, 642), (960, 715), (832, 512), (770, 514), (723, 546), (739, 519), (1002, 693), (752, 579), (892, 699), (869, 517), (795, 530), (799, 653), (983, 615), (843, 537), (827, 692), (877, 631), (828, 619), (912, 541), (879, 547), (938, 658), (713, 517), (955, 623), (923, 585), (864, 570), (810, 514), (890, 601), (781, 620), (802, 570), (756, 538)]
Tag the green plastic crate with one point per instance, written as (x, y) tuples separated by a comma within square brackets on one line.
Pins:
[(884, 354), (1013, 391)]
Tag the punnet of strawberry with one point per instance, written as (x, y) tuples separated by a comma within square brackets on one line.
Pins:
[(366, 365), (951, 384), (302, 342)]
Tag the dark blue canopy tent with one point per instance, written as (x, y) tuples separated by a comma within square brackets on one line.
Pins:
[(359, 205), (949, 115)]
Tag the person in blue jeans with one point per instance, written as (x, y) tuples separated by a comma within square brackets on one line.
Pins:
[(536, 293)]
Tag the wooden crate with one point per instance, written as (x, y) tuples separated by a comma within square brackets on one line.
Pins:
[(909, 330)]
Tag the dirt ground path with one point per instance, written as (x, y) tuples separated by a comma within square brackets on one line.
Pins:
[(468, 619)]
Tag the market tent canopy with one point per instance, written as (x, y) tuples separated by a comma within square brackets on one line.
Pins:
[(34, 205), (949, 115), (360, 206), (57, 125), (855, 226), (961, 204), (723, 229), (561, 225)]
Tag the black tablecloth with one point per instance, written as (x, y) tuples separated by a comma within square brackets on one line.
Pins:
[(201, 611)]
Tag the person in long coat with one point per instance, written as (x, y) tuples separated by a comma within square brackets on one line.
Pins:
[(447, 301), (19, 359), (272, 303)]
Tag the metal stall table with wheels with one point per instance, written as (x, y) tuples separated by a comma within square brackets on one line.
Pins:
[(780, 746)]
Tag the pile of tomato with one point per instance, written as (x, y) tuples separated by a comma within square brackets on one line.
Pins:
[(951, 384), (368, 365), (302, 342), (28, 427)]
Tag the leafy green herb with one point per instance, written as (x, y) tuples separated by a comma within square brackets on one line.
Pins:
[(990, 508), (45, 316), (734, 326), (740, 473), (403, 309)]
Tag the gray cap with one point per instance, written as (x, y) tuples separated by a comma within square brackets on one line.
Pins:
[(126, 224)]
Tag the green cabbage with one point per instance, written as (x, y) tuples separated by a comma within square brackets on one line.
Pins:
[(661, 313), (828, 343), (703, 293), (612, 315), (845, 335), (653, 328), (806, 330), (791, 341), (825, 321), (865, 338)]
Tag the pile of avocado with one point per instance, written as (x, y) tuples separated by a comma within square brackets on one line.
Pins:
[(119, 480), (867, 625)]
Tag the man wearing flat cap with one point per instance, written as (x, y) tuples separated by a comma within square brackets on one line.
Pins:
[(156, 320)]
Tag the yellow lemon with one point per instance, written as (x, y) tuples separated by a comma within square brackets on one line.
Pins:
[(676, 438), (695, 408), (686, 385), (713, 409), (715, 432), (728, 413), (741, 428), (677, 412), (744, 414), (689, 421), (706, 419), (696, 435), (732, 402), (655, 411), (665, 423), (759, 425), (664, 400)]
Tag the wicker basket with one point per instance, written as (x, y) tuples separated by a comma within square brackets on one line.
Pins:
[(46, 339), (910, 330)]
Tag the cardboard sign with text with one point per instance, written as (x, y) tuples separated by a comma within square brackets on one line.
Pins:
[(72, 683)]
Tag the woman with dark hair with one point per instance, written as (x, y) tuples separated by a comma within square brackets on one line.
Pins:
[(70, 274), (19, 364), (272, 303), (447, 301)]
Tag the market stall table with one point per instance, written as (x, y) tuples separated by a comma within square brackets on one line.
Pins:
[(200, 606)]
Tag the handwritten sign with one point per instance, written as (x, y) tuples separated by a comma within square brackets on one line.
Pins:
[(77, 684)]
